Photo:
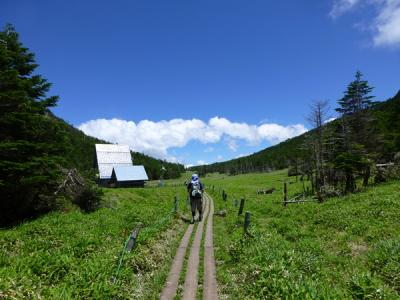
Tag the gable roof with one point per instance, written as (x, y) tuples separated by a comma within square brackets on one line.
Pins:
[(109, 156), (129, 173)]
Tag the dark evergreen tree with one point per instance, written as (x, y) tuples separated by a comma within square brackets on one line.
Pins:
[(357, 96), (356, 136), (31, 143)]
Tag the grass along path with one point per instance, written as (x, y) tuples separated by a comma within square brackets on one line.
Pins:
[(344, 248), (72, 255)]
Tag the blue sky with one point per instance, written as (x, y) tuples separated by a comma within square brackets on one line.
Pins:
[(202, 81)]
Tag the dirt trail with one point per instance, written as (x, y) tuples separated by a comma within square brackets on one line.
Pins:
[(191, 279)]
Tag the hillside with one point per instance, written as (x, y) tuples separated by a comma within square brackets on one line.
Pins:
[(387, 123)]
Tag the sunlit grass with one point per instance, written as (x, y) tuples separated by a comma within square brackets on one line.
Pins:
[(343, 248), (74, 255)]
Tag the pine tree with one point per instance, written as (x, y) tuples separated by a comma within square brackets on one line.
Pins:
[(357, 96), (356, 135), (31, 143)]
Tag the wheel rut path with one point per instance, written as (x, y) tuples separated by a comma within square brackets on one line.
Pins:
[(191, 277)]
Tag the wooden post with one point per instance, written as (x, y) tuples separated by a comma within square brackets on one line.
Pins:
[(246, 221), (175, 204), (241, 206), (132, 239), (224, 196), (284, 194)]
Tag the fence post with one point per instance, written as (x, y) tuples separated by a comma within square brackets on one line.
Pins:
[(284, 194), (132, 239), (175, 204), (241, 206), (224, 196), (246, 221)]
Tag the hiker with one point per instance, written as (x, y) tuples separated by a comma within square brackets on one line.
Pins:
[(196, 189)]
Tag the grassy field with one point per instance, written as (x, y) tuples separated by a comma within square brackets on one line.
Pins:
[(343, 248), (75, 255)]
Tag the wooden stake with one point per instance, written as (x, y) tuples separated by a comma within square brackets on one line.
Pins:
[(241, 206), (284, 193), (175, 204)]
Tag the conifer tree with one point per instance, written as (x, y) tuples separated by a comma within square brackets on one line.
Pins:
[(356, 134), (30, 140), (357, 96)]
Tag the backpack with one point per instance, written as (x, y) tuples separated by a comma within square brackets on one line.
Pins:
[(196, 189)]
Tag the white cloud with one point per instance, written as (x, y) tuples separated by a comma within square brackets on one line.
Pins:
[(155, 138), (387, 25), (384, 27), (342, 6), (201, 162), (232, 144)]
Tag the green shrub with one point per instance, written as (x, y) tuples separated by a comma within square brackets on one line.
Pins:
[(88, 198)]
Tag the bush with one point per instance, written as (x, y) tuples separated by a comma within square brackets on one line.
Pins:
[(88, 198)]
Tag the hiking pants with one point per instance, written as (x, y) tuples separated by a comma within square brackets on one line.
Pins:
[(196, 203)]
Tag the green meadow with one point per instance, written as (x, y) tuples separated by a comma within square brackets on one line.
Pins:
[(343, 248), (69, 255)]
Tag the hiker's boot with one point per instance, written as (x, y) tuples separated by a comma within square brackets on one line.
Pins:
[(200, 217)]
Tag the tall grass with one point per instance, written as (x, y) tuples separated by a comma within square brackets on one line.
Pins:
[(74, 255), (343, 248)]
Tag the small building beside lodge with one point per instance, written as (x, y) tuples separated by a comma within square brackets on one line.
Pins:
[(115, 167), (128, 176)]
